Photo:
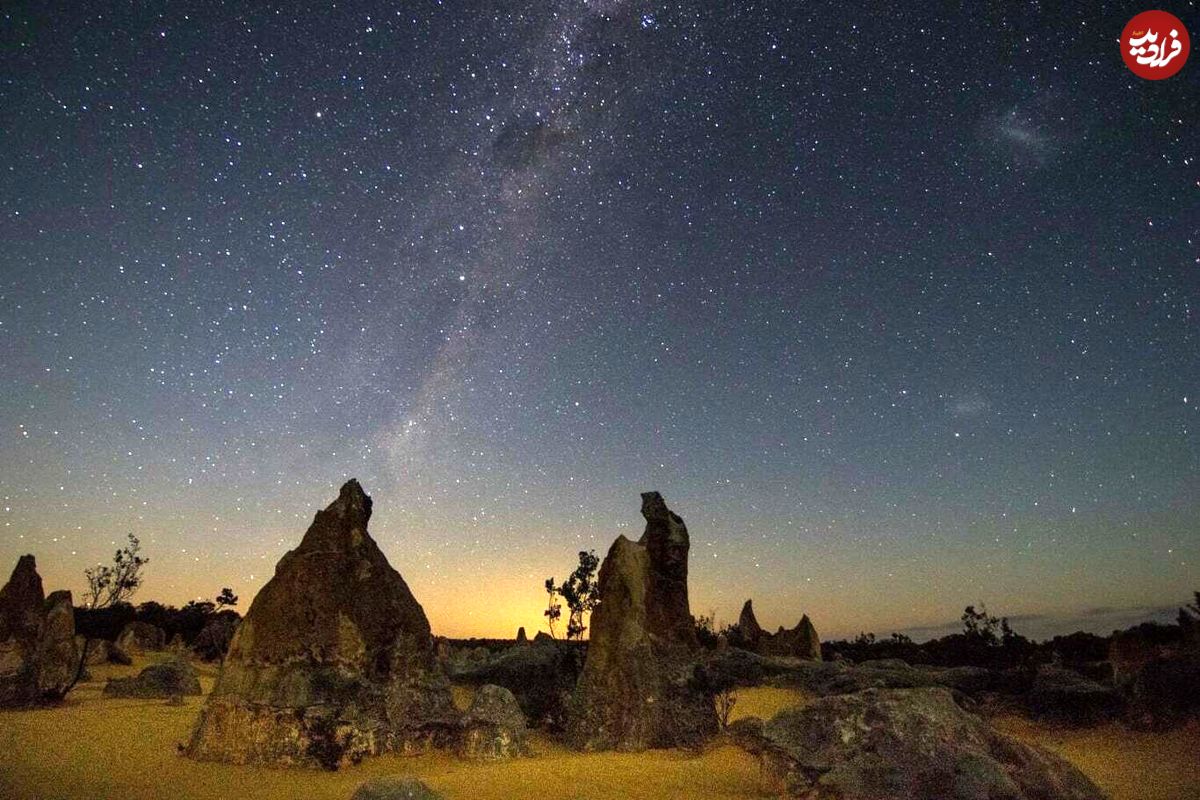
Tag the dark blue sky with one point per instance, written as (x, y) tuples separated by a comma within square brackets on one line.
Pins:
[(899, 311)]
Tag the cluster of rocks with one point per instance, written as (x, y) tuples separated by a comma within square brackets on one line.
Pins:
[(801, 641), (38, 654), (335, 660), (540, 674)]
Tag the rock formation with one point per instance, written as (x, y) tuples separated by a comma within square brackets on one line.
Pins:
[(493, 728), (58, 655), (141, 637), (97, 650), (639, 686), (38, 654), (22, 614), (799, 642), (749, 630), (541, 675), (333, 661), (911, 743), (521, 637), (169, 679)]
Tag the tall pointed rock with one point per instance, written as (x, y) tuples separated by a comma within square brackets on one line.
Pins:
[(333, 661), (22, 615), (638, 688), (748, 628), (58, 655)]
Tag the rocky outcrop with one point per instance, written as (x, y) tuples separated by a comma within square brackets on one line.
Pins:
[(911, 743), (521, 637), (493, 729), (639, 687), (799, 642), (22, 615), (333, 661), (58, 655), (169, 679), (141, 637)]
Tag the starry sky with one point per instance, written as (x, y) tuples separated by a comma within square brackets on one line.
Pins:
[(899, 311)]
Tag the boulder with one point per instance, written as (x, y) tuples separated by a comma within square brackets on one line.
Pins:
[(541, 676), (542, 636), (22, 615), (639, 687), (493, 729), (1064, 695), (141, 637), (58, 655), (399, 788), (162, 681), (212, 642), (909, 743), (333, 661)]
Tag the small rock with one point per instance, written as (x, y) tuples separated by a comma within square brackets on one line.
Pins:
[(402, 788)]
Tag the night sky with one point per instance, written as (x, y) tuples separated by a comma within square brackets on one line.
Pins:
[(898, 310)]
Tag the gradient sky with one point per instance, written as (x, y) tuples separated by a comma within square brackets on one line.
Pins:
[(899, 311)]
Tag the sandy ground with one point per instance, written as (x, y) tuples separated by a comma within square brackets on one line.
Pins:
[(98, 748)]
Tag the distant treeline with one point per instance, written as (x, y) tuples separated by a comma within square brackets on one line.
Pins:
[(996, 652), (187, 622)]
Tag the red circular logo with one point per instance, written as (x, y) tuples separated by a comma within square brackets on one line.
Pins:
[(1154, 45)]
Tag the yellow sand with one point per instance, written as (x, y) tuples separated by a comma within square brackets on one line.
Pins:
[(1129, 765), (98, 748)]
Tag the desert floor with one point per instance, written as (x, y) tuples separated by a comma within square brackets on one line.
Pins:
[(97, 748)]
